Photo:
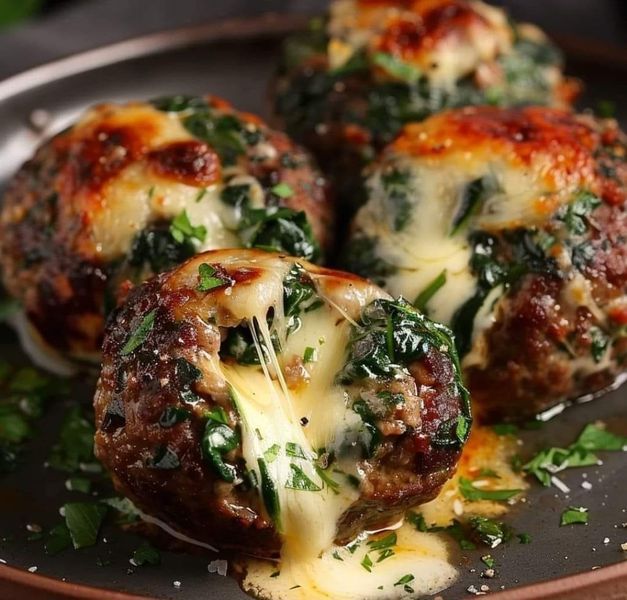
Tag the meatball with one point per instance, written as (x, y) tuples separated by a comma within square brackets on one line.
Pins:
[(509, 226), (134, 189), (352, 81), (247, 398)]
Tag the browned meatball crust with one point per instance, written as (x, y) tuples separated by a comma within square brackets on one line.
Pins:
[(509, 226), (366, 414), (134, 189)]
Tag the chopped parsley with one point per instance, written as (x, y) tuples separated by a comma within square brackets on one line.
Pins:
[(282, 190), (405, 580), (397, 68), (579, 454), (366, 563), (209, 279), (182, 230), (310, 355), (574, 515), (472, 493), (139, 336), (146, 555), (83, 521), (489, 532), (298, 480), (294, 450), (74, 449), (270, 494), (599, 342)]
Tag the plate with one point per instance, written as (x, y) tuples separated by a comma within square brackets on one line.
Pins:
[(235, 59)]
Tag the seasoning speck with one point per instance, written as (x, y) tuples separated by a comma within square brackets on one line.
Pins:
[(586, 485), (176, 584), (32, 569), (218, 566), (606, 540)]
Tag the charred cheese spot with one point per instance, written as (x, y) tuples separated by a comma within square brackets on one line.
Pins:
[(509, 226), (133, 189)]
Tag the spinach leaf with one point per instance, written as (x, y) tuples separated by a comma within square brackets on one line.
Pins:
[(158, 249), (474, 194), (179, 103), (146, 555), (219, 439), (360, 256), (396, 186), (422, 299), (298, 480), (575, 214), (270, 494), (391, 335), (83, 521)]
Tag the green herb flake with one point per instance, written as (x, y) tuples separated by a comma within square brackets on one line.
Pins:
[(310, 355), (271, 454), (429, 291), (333, 485), (383, 543), (139, 336), (219, 439), (336, 555), (182, 230), (366, 563), (207, 278), (599, 342), (524, 538), (146, 555), (57, 540), (78, 484), (75, 446), (282, 190), (83, 520), (294, 450), (270, 494), (470, 492), (574, 515), (397, 68), (298, 480), (201, 194), (575, 215), (488, 561), (405, 580), (489, 532), (597, 438)]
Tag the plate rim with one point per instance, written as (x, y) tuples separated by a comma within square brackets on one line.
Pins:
[(599, 583)]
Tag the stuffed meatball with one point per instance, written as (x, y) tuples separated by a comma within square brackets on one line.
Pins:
[(248, 399), (509, 226), (133, 189), (353, 80)]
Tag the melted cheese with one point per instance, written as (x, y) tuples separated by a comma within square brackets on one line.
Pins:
[(138, 196), (429, 558), (531, 162), (452, 49)]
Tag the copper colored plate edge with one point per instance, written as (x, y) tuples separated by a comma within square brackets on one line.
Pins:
[(607, 583)]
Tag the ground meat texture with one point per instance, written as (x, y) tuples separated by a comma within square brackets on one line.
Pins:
[(133, 189), (348, 85), (180, 361), (509, 226)]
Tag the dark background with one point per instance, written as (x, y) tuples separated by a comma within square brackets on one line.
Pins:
[(37, 31)]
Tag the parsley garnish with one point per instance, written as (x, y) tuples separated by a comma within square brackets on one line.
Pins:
[(579, 454), (207, 278), (470, 492), (298, 480), (573, 515), (271, 454), (282, 190), (83, 520), (366, 563), (138, 337), (404, 581), (146, 555), (397, 68), (182, 230)]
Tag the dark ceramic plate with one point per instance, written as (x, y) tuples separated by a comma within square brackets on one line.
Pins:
[(236, 60)]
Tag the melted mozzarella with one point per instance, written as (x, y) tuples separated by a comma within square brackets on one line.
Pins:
[(338, 572), (459, 51), (138, 195)]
